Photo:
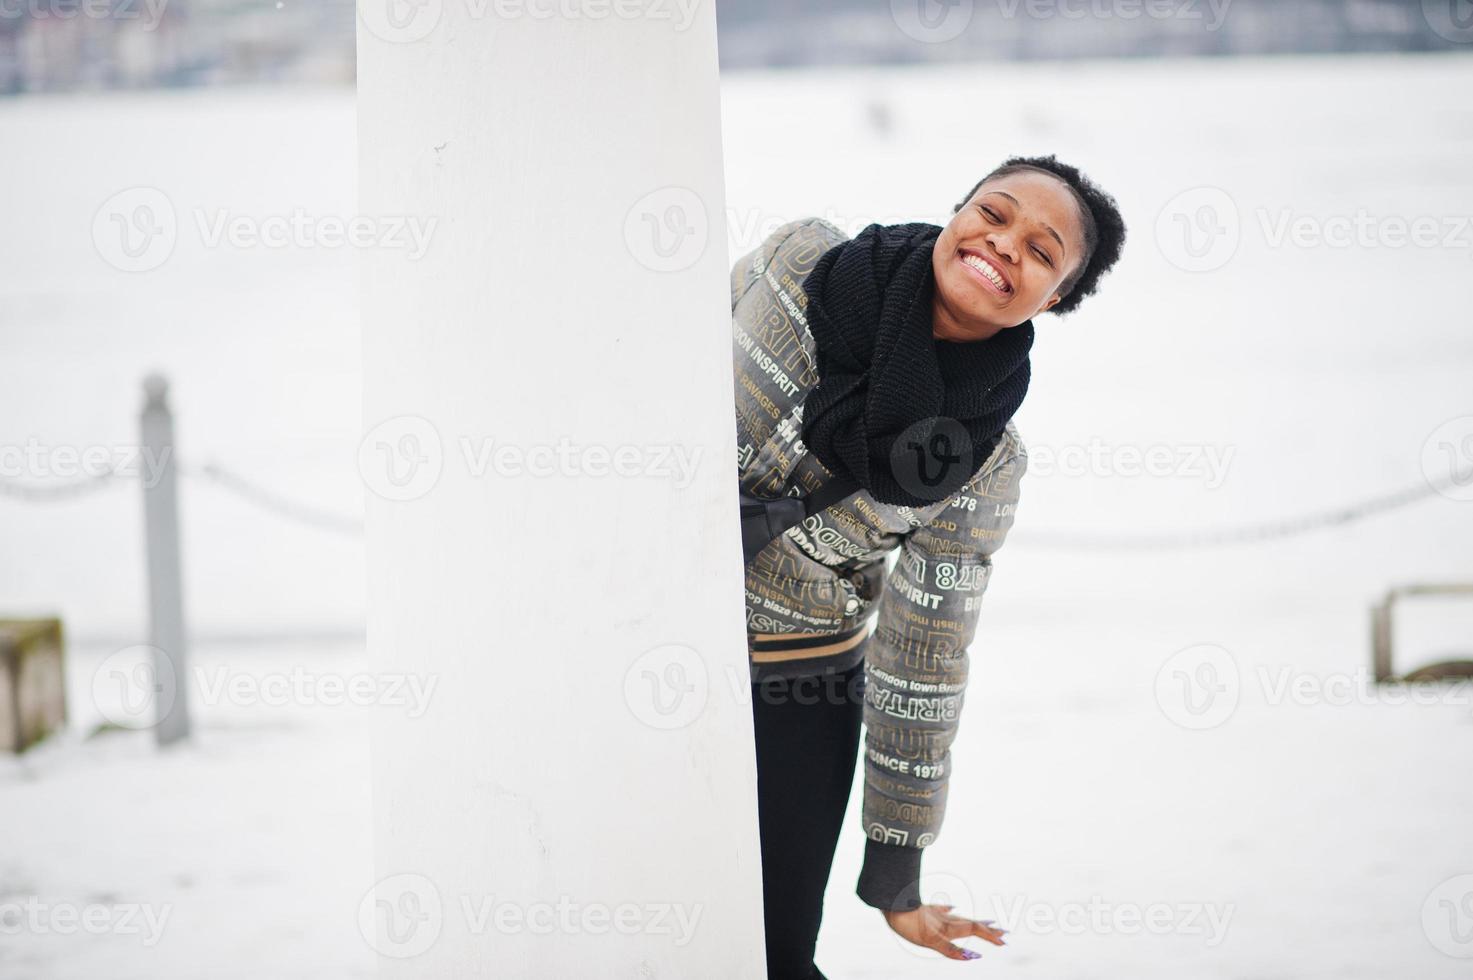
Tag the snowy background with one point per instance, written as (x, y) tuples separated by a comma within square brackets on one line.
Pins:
[(1179, 736)]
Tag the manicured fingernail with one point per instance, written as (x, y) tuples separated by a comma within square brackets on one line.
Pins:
[(968, 954)]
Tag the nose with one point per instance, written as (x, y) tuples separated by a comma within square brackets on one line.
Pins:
[(1005, 245)]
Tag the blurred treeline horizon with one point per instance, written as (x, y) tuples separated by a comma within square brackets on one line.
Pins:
[(94, 45)]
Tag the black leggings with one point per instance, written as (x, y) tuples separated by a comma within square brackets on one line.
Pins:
[(807, 732)]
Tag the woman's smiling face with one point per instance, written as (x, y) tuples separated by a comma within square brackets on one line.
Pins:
[(1002, 258)]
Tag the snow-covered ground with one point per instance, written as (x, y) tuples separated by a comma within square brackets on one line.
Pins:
[(1171, 763)]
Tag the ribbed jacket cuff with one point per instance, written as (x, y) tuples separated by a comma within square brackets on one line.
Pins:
[(890, 876)]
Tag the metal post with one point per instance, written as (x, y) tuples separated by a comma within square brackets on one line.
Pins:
[(165, 583), (1381, 639)]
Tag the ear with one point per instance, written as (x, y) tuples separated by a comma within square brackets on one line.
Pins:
[(1049, 303)]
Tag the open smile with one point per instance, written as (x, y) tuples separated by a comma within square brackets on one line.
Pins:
[(990, 275)]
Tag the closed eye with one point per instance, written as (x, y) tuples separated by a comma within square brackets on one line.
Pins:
[(997, 218)]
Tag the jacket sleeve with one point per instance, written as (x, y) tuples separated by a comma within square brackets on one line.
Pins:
[(916, 665), (749, 270), (804, 234)]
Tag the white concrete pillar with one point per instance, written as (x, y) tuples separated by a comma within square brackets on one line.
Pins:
[(550, 455)]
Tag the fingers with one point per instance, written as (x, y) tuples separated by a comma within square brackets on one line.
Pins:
[(953, 952), (937, 926), (957, 927), (984, 931)]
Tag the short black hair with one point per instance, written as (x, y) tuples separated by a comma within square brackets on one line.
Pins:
[(1104, 228)]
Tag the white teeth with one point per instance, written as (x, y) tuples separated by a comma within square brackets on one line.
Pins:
[(982, 266)]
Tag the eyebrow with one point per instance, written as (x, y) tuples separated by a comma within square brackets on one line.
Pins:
[(1049, 228)]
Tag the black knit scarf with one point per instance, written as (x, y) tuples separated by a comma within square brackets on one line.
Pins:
[(908, 417)]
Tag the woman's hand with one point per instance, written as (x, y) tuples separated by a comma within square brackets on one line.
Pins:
[(934, 927)]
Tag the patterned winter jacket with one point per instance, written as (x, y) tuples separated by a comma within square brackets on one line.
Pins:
[(812, 592)]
